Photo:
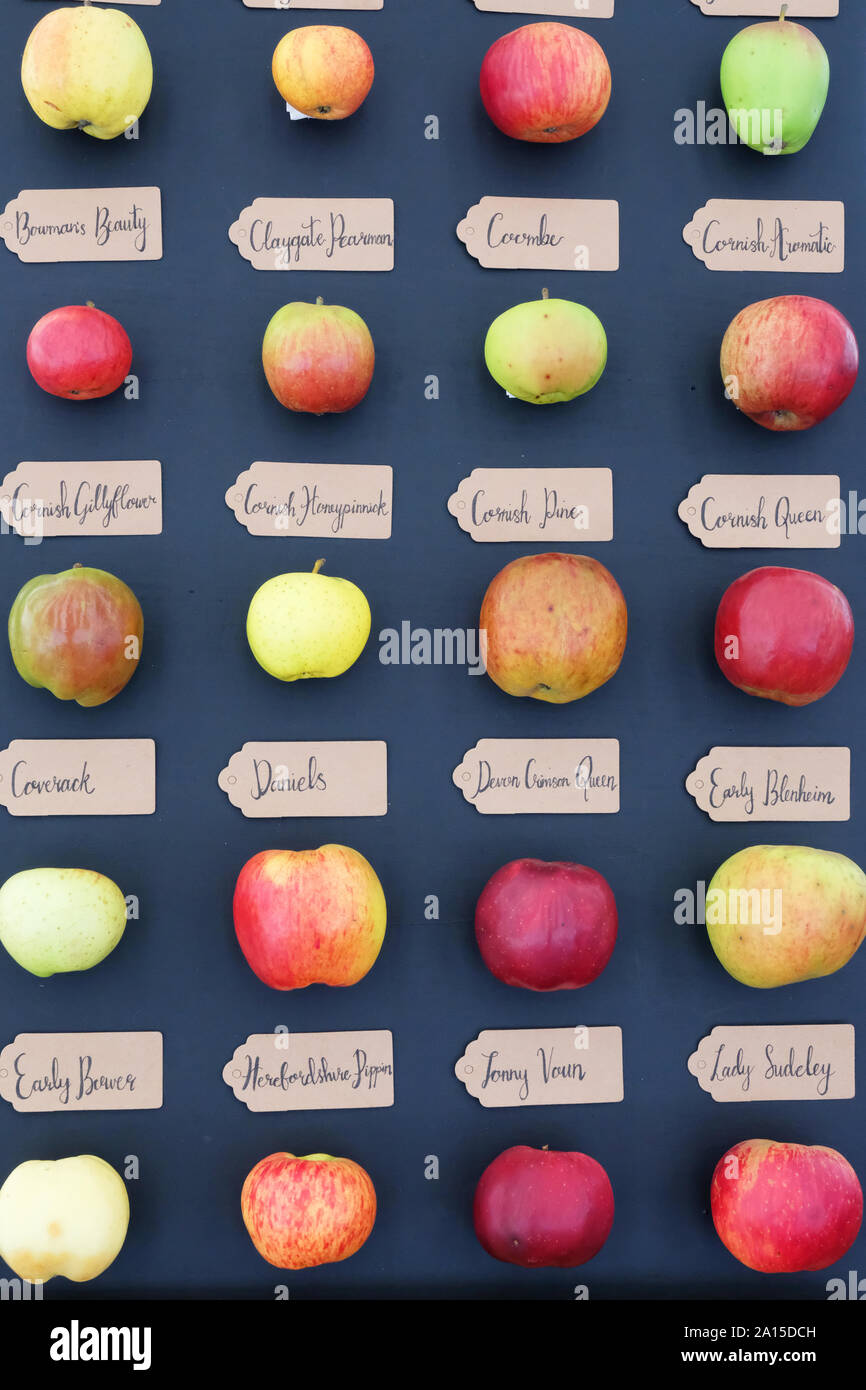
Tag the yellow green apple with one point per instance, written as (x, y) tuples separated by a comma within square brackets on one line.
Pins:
[(307, 624), (53, 921), (64, 1216), (775, 79), (546, 351)]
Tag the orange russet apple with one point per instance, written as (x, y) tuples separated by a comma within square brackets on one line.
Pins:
[(323, 70), (301, 1212)]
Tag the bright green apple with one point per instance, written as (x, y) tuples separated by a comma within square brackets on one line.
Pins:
[(56, 920), (307, 624), (546, 351), (775, 79), (64, 1216)]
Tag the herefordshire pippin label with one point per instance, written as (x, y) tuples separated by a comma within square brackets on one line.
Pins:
[(308, 779), (797, 9), (773, 784), (732, 234), (541, 776), (535, 504), (577, 9), (82, 1071), (348, 502), (804, 1061), (313, 1071), (84, 224), (79, 777), (727, 511), (543, 233), (543, 1066), (316, 234), (83, 499)]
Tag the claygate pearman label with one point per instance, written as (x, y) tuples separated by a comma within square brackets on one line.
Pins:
[(806, 1061), (559, 776), (316, 234), (773, 784)]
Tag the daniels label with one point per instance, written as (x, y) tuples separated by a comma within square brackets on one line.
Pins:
[(313, 1071), (773, 784), (730, 235), (84, 224), (316, 234), (82, 1071), (543, 233), (810, 1061), (543, 1066), (79, 777), (559, 776), (83, 499), (536, 504), (727, 511), (308, 779), (314, 499)]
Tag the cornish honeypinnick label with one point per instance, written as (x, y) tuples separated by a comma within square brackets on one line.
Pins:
[(351, 502), (83, 499), (804, 1061), (730, 234), (542, 776), (316, 234), (79, 777), (543, 233), (773, 784), (82, 1071), (84, 224), (308, 779), (313, 1071), (535, 504), (728, 511), (543, 1066)]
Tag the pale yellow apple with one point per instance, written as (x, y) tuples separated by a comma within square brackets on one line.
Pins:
[(302, 625), (66, 1216), (56, 920), (87, 67)]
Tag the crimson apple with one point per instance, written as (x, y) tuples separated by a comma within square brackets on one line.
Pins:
[(318, 358), (546, 83), (541, 1207), (301, 1212), (784, 634), (79, 352)]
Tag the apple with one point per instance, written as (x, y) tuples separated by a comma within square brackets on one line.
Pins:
[(785, 1208), (77, 634), (79, 352), (546, 351), (779, 914), (546, 83), (546, 926), (554, 627), (65, 1216), (302, 1212), (775, 79), (541, 1208), (308, 917), (784, 634), (57, 920), (788, 363), (87, 68), (318, 358), (323, 70), (304, 625)]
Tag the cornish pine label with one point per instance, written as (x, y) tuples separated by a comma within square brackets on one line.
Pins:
[(577, 9), (84, 224), (543, 233), (79, 777), (83, 499), (797, 9), (308, 779), (727, 234), (82, 1071), (313, 1071), (727, 511), (535, 504), (316, 234), (543, 1066), (542, 776), (810, 1061), (773, 784), (314, 499)]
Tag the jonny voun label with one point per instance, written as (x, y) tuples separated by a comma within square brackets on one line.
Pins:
[(726, 511), (84, 224), (727, 234), (526, 776), (79, 777), (313, 1071), (797, 9), (773, 784), (308, 779), (543, 1066), (314, 499), (536, 504), (83, 499), (804, 1061), (543, 233), (316, 234), (576, 9), (82, 1071)]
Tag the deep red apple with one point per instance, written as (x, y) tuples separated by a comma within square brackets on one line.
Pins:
[(546, 926), (784, 634), (318, 358), (540, 1207), (784, 1208), (546, 83), (79, 352)]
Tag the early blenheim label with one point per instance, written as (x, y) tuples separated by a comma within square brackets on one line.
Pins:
[(727, 511), (313, 1071), (729, 234), (804, 1061), (82, 1071), (577, 9), (84, 224), (83, 499), (797, 9), (316, 234), (543, 1066), (314, 499), (79, 777), (541, 776), (543, 233), (308, 779), (773, 784), (535, 504)]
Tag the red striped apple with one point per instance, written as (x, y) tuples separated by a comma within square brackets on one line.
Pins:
[(323, 70), (79, 352), (546, 83), (541, 1208), (318, 358), (301, 1212)]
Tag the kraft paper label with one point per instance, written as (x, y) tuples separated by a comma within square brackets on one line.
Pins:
[(130, 2), (543, 233), (537, 504), (314, 4), (773, 784), (83, 499), (578, 9), (314, 499), (79, 777), (541, 776), (726, 511), (82, 1071), (308, 779), (797, 9), (543, 1066), (804, 1061), (727, 234), (316, 234), (84, 224), (313, 1071)]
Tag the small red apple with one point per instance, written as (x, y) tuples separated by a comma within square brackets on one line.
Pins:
[(541, 1208), (318, 358), (301, 1212), (546, 83), (323, 70), (79, 352)]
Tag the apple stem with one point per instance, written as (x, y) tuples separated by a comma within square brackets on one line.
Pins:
[(783, 14), (317, 566), (319, 299), (545, 294), (89, 304)]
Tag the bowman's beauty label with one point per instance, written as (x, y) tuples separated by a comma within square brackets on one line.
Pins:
[(803, 1061), (534, 776), (79, 777), (773, 784), (313, 1071), (82, 1071), (730, 234), (797, 9), (83, 499), (316, 234), (727, 511), (543, 233), (308, 779), (84, 224), (353, 502), (578, 9), (543, 1066), (535, 504)]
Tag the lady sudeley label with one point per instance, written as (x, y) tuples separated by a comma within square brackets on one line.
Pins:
[(727, 511), (797, 9), (313, 1071), (314, 499), (543, 233), (729, 234), (543, 1066), (535, 776), (535, 504), (773, 784), (83, 499), (804, 1061), (82, 1071), (84, 224), (308, 779), (316, 234), (577, 9), (79, 777)]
